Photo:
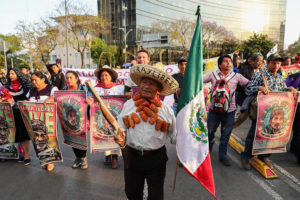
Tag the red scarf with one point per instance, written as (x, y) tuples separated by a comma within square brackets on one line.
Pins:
[(106, 86), (15, 85)]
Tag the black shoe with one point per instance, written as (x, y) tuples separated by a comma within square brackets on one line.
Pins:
[(246, 164), (27, 162), (225, 161), (21, 160)]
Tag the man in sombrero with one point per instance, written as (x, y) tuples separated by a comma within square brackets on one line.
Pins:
[(148, 123)]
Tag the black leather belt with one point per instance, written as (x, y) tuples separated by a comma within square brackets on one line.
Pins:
[(145, 152)]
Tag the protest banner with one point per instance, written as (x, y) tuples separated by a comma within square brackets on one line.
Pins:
[(101, 137), (72, 113), (275, 118), (288, 70), (40, 121), (8, 149)]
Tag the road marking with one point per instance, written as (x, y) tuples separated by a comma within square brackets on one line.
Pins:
[(293, 180), (260, 182)]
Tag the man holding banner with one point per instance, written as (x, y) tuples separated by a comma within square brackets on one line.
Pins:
[(274, 82)]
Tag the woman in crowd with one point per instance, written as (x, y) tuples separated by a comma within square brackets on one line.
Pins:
[(107, 86), (73, 83), (18, 86), (40, 93)]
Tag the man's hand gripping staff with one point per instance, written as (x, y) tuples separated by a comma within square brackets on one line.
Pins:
[(120, 136)]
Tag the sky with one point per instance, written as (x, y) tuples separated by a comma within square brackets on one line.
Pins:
[(11, 11)]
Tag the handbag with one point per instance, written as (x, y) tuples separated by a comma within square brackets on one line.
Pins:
[(253, 104)]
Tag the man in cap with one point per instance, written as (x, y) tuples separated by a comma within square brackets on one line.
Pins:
[(147, 122), (179, 78), (142, 58), (275, 83)]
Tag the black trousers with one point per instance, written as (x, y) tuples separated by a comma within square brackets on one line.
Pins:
[(150, 167), (79, 153), (295, 143)]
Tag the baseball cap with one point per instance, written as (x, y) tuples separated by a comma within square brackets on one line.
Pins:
[(182, 59), (275, 56)]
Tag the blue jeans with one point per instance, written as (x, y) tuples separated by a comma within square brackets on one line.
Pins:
[(247, 154), (213, 121)]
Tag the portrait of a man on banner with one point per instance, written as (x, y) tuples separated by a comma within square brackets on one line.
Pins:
[(274, 123), (72, 113), (8, 149), (102, 132), (40, 141), (40, 121)]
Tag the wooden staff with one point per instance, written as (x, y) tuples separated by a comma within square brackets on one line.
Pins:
[(175, 174), (107, 114)]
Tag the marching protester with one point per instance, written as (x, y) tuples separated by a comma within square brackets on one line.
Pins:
[(274, 82), (294, 81), (107, 86), (223, 106), (287, 60), (179, 78), (142, 58), (18, 86), (148, 123), (41, 91), (26, 71), (57, 76), (73, 83)]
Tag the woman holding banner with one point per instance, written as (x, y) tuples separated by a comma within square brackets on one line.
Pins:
[(107, 86), (18, 86), (42, 92), (73, 83)]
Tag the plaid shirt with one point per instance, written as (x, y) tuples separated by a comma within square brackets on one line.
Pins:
[(275, 83)]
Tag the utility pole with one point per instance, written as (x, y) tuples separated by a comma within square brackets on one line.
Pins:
[(66, 26), (124, 8)]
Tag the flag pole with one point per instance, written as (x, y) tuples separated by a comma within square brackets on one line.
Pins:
[(175, 174)]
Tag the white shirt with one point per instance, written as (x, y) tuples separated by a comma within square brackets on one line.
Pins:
[(116, 90), (144, 136), (42, 98)]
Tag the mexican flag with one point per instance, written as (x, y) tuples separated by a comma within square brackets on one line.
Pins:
[(191, 122)]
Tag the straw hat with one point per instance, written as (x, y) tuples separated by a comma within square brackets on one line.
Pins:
[(113, 73), (156, 72)]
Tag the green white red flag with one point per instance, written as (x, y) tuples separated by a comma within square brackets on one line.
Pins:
[(192, 135)]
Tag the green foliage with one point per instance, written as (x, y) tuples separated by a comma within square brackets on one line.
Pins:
[(257, 43), (14, 42), (294, 48), (107, 52)]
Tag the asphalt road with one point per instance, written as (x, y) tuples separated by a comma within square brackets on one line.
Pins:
[(103, 183)]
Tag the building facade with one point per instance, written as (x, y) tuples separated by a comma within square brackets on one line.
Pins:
[(243, 18)]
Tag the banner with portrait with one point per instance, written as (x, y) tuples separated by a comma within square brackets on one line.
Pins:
[(40, 121), (72, 109), (102, 132), (8, 149), (288, 70), (275, 118)]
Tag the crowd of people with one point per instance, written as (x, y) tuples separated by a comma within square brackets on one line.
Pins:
[(147, 121)]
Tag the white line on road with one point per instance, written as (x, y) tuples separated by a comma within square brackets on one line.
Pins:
[(260, 182), (293, 180)]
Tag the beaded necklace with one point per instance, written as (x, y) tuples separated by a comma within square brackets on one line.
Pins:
[(146, 109)]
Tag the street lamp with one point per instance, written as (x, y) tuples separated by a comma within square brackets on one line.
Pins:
[(125, 36), (124, 8)]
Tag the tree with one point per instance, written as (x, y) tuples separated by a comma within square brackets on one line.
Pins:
[(39, 39), (103, 53), (14, 44), (82, 25), (257, 43), (294, 48)]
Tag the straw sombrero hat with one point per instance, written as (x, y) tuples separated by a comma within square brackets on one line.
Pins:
[(113, 73), (156, 72)]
